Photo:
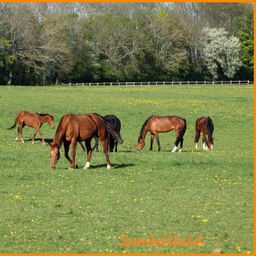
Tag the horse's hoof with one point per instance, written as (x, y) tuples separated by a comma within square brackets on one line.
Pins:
[(71, 168), (23, 141), (43, 143), (33, 142), (180, 149), (108, 166)]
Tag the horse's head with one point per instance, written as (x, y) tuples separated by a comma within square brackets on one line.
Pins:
[(141, 144), (55, 155), (50, 121)]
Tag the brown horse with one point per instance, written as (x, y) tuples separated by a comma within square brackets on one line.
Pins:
[(204, 125), (34, 120), (76, 128), (160, 124)]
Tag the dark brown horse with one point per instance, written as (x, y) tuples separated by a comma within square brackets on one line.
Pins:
[(205, 126), (160, 124), (76, 128), (116, 124), (34, 120)]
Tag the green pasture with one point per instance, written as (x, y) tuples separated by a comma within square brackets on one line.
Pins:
[(146, 194)]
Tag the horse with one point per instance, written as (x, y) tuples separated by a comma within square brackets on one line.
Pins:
[(116, 124), (160, 124), (34, 120), (74, 128), (204, 125)]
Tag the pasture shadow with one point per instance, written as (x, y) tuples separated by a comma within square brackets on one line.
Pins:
[(113, 166), (47, 141), (183, 151), (127, 151)]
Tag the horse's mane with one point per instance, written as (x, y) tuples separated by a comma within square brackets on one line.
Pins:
[(143, 126), (59, 133), (43, 114)]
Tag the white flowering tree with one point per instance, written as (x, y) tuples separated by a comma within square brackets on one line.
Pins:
[(220, 52)]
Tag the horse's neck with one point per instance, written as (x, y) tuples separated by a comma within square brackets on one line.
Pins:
[(60, 133), (144, 132), (43, 119)]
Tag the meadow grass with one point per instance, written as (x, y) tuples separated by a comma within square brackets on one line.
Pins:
[(144, 195)]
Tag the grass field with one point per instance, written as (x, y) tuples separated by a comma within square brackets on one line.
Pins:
[(145, 194)]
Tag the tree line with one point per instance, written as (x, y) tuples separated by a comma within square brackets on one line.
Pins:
[(50, 43)]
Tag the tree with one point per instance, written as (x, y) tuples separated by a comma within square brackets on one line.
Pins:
[(221, 54), (6, 60)]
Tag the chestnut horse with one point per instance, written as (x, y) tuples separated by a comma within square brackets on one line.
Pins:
[(34, 120), (160, 124), (204, 125), (76, 128)]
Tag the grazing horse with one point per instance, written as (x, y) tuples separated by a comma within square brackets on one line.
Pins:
[(160, 124), (116, 124), (76, 128), (204, 125), (34, 120)]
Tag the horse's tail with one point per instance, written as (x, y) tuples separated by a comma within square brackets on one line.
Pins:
[(181, 134), (209, 127), (14, 125), (111, 131)]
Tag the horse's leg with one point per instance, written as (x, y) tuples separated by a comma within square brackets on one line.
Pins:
[(89, 154), (20, 134), (151, 141), (104, 143), (34, 135), (41, 135), (73, 154), (96, 144), (116, 146), (66, 148), (158, 142), (205, 147), (197, 137), (111, 143), (177, 141)]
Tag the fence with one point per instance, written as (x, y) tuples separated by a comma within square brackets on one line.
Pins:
[(239, 82)]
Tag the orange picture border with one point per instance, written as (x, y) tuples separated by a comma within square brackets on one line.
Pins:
[(254, 133)]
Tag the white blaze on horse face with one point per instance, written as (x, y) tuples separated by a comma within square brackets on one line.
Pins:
[(87, 165), (174, 149), (108, 166)]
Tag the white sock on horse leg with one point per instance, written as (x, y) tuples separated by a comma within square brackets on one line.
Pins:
[(174, 149), (87, 165)]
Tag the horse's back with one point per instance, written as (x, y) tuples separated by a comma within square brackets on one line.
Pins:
[(204, 122), (166, 123)]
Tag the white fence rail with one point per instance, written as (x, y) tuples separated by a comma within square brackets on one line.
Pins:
[(237, 82)]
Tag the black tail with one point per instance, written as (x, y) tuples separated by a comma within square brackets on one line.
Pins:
[(181, 134), (209, 127), (14, 125), (111, 130)]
